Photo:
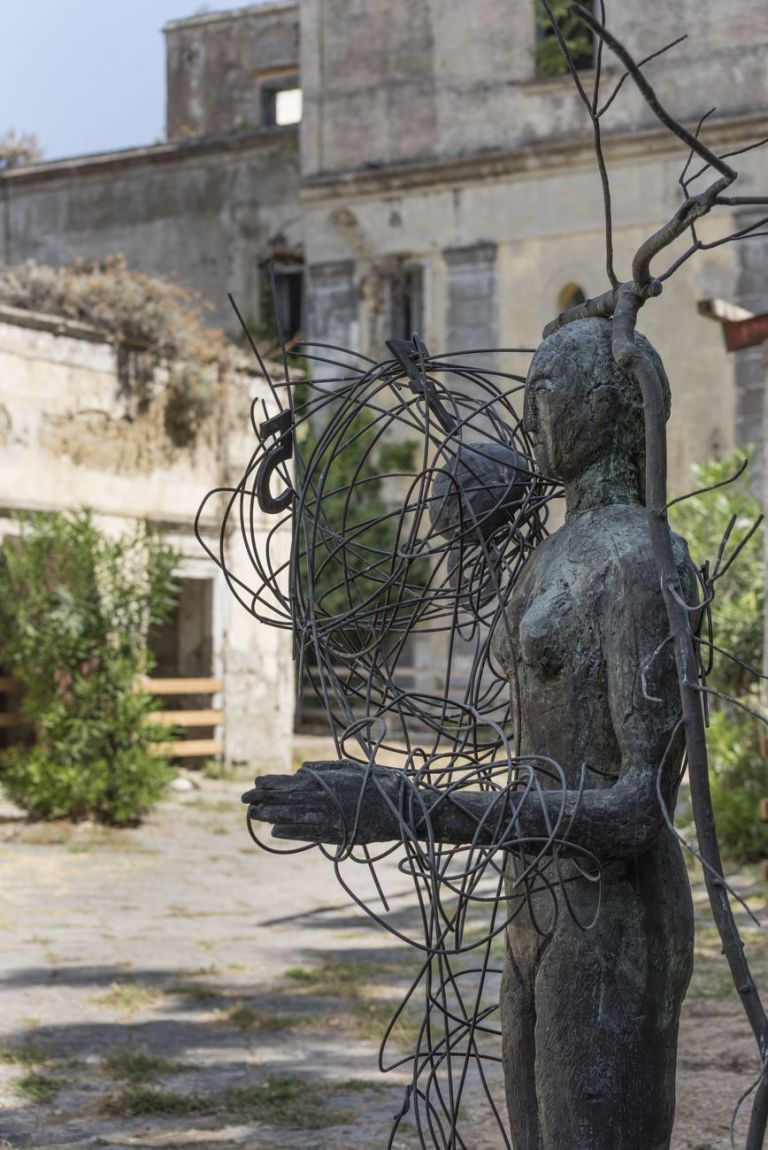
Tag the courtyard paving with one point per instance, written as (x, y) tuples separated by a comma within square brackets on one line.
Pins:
[(175, 986)]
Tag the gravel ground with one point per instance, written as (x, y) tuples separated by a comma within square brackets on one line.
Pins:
[(174, 986)]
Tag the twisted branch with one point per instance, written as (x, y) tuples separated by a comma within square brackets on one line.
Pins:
[(622, 302)]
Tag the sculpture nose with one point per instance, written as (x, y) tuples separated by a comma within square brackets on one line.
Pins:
[(530, 422)]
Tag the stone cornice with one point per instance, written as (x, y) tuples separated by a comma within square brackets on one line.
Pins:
[(56, 324), (172, 151), (231, 15), (527, 159)]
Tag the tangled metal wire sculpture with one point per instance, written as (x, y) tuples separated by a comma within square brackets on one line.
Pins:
[(384, 554), (436, 555)]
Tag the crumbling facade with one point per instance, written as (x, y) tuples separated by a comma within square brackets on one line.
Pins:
[(434, 181), (71, 438), (404, 165)]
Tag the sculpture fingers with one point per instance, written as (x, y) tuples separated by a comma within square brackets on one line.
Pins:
[(308, 833), (289, 813), (325, 765), (275, 786)]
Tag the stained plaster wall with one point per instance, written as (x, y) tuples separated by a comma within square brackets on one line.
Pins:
[(497, 252), (401, 82), (205, 213), (217, 63), (67, 442), (427, 136)]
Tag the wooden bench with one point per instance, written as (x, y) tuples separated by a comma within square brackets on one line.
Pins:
[(199, 717)]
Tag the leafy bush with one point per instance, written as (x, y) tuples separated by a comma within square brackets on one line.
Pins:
[(736, 740), (75, 611), (132, 307), (17, 149), (739, 781), (356, 531)]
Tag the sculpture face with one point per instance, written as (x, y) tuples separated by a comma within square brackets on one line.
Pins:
[(580, 408), (558, 414), (540, 422)]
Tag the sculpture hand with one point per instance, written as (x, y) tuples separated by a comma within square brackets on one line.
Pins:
[(329, 802)]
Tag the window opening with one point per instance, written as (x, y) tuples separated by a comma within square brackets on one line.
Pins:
[(406, 302), (549, 59), (570, 296), (281, 104), (289, 299), (182, 646)]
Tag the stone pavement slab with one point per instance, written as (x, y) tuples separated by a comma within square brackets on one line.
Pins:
[(173, 985)]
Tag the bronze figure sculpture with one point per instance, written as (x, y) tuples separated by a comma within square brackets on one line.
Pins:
[(589, 1018)]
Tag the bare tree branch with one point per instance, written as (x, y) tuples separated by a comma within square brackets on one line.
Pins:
[(623, 302), (640, 63), (591, 106), (648, 93)]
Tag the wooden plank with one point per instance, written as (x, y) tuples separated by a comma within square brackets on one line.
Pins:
[(187, 748), (12, 719), (187, 718), (182, 686), (746, 332), (10, 686)]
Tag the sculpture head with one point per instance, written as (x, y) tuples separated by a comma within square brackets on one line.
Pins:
[(582, 410)]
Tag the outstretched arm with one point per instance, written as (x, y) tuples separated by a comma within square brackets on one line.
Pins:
[(346, 802)]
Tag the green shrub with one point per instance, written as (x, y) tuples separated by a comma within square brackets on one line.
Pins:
[(548, 55), (738, 780), (736, 740), (75, 611), (358, 528)]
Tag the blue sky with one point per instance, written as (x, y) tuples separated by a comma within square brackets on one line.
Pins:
[(87, 75)]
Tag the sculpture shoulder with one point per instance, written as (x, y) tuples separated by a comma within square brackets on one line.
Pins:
[(624, 561), (605, 550), (623, 534)]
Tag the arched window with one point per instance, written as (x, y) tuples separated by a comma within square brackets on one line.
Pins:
[(570, 296)]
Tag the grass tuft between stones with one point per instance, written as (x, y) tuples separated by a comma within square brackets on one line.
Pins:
[(128, 997), (356, 983), (38, 1088), (136, 1066), (245, 1018), (27, 1055), (279, 1099)]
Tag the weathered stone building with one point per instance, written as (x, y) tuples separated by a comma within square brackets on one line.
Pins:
[(433, 180), (221, 196)]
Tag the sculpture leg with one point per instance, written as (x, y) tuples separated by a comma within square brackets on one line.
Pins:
[(518, 1026), (607, 1011)]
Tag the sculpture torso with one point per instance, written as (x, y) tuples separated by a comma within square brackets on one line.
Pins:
[(589, 1017), (585, 615)]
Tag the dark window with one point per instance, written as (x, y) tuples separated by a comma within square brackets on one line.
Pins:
[(406, 303), (289, 298), (549, 57), (281, 103), (571, 296), (182, 646)]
